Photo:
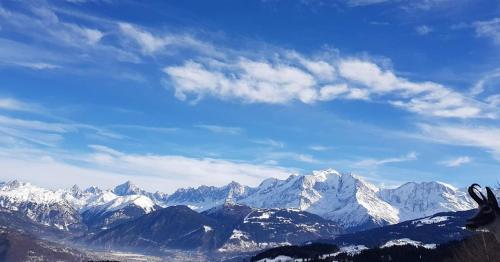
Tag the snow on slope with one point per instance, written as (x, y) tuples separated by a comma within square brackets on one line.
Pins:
[(120, 202), (344, 198), (17, 192), (407, 241), (414, 200), (62, 208), (206, 197), (40, 205)]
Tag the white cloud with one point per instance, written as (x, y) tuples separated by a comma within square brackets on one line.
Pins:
[(12, 104), (110, 167), (455, 162), (250, 81), (485, 137), (146, 128), (269, 142), (43, 22), (229, 130), (35, 128), (425, 98), (151, 44), (281, 81), (423, 29), (478, 88), (147, 42), (6, 121), (493, 100), (65, 41), (371, 162), (293, 156), (92, 35), (38, 65), (319, 148), (365, 2), (489, 29), (317, 67)]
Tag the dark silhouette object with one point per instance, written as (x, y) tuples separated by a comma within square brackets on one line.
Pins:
[(488, 214), (477, 248)]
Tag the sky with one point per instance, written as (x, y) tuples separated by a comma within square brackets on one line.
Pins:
[(173, 94)]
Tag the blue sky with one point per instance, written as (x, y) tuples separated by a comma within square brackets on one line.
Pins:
[(172, 94)]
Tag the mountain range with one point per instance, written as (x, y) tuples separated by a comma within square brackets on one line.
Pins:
[(233, 220), (345, 199)]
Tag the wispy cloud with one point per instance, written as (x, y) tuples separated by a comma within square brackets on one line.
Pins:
[(12, 104), (150, 44), (489, 29), (110, 167), (485, 137), (293, 156), (44, 23), (269, 142), (319, 148), (455, 162), (228, 130), (146, 128), (40, 126), (366, 2), (62, 39), (423, 29), (371, 162), (479, 86), (38, 65)]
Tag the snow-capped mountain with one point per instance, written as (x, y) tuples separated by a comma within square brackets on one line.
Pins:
[(414, 200), (75, 208), (206, 197), (120, 209), (128, 188), (344, 198), (40, 205)]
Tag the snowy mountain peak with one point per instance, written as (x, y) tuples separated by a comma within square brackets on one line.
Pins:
[(16, 184), (325, 173), (127, 188), (93, 190), (426, 198), (38, 204), (76, 191), (142, 202)]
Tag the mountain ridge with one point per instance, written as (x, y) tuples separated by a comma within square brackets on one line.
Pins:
[(344, 198)]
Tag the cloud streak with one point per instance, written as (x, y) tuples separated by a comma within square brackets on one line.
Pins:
[(228, 130), (484, 137), (110, 167), (12, 104), (489, 29), (378, 162), (456, 162)]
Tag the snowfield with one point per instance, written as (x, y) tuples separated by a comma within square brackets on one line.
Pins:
[(406, 241)]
